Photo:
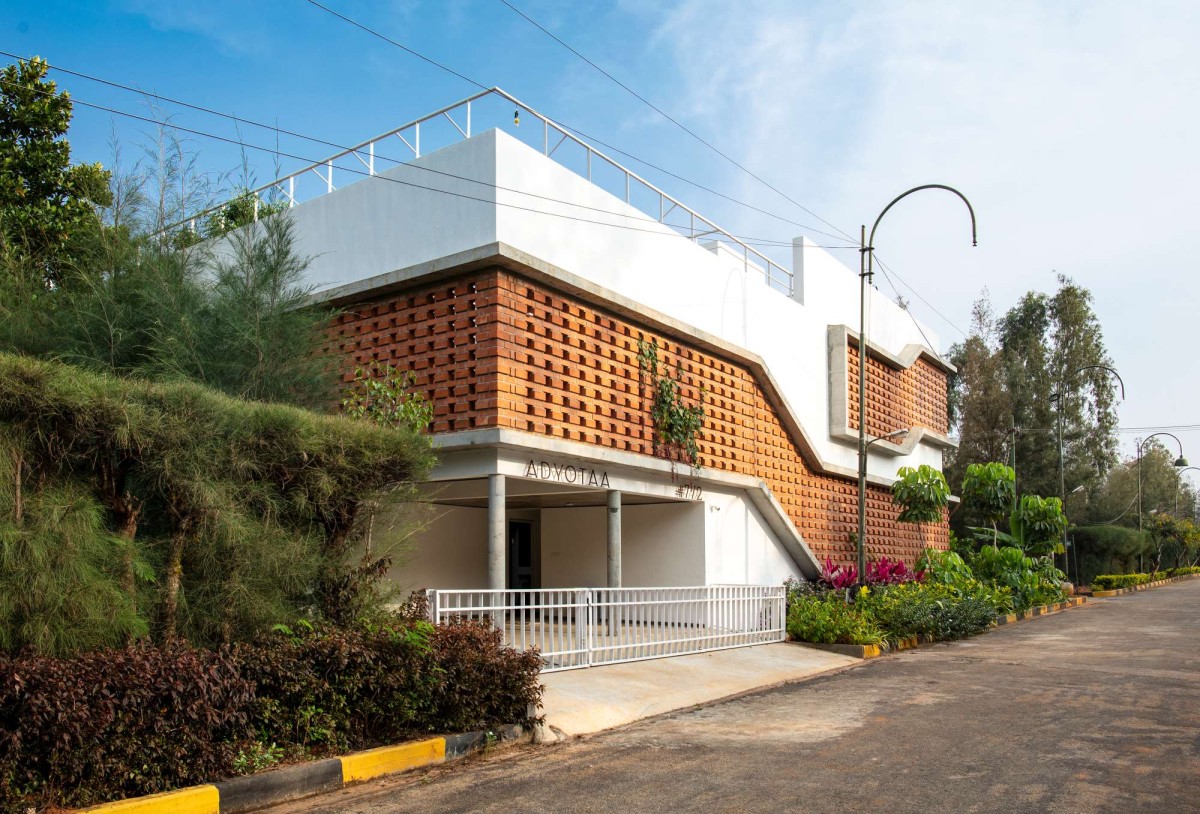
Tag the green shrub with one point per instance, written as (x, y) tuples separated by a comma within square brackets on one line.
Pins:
[(1109, 582), (118, 723), (945, 567), (330, 690), (1030, 581), (934, 609), (122, 723), (480, 682), (1108, 550), (829, 619), (1182, 572), (212, 516)]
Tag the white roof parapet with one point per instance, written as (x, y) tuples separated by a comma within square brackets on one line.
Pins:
[(638, 192)]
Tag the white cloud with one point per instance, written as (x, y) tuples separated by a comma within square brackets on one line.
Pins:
[(1069, 125)]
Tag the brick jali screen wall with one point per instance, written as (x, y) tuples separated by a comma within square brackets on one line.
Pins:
[(494, 349), (896, 399)]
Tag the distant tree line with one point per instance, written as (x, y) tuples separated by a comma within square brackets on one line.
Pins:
[(1019, 374)]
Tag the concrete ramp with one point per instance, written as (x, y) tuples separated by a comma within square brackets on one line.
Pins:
[(580, 702)]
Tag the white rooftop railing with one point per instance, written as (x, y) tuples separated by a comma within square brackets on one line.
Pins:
[(456, 122)]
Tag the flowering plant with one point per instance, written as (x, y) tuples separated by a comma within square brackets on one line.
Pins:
[(879, 572)]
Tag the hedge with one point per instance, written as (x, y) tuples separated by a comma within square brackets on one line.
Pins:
[(139, 720), (1108, 550), (173, 508), (1109, 582)]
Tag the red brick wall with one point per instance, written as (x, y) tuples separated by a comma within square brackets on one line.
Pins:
[(915, 397), (493, 348)]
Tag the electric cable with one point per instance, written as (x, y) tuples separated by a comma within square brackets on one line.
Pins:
[(842, 234), (273, 151), (673, 120), (285, 131), (916, 293)]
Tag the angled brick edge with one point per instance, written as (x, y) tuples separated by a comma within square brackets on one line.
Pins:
[(839, 391)]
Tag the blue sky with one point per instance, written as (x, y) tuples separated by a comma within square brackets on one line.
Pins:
[(1070, 125)]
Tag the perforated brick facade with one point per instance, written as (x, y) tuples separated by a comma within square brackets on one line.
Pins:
[(896, 399), (496, 349)]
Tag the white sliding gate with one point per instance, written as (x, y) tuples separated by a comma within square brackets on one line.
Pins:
[(582, 627)]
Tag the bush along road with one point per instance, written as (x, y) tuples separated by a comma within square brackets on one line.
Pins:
[(1095, 710)]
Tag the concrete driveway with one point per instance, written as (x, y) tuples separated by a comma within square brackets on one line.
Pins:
[(1096, 709)]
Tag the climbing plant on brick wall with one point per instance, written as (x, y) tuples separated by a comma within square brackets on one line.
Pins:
[(676, 423)]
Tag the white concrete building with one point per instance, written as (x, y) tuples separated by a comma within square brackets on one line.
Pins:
[(516, 289)]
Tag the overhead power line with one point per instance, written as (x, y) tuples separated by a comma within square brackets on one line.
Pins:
[(1174, 427), (886, 269), (277, 152), (841, 234), (674, 121), (282, 130)]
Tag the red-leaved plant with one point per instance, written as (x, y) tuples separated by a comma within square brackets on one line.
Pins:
[(879, 572), (838, 577), (891, 572)]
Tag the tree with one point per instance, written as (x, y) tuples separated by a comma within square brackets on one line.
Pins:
[(1116, 499), (980, 406), (1088, 392), (1036, 525), (1009, 369), (1026, 354), (1171, 536), (255, 335), (46, 204), (921, 493), (990, 490)]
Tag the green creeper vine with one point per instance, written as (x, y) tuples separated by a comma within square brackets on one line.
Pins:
[(676, 423)]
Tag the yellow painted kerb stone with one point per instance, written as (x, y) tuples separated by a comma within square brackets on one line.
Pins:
[(194, 800), (390, 759)]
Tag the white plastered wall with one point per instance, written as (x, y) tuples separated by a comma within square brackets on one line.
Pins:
[(450, 553), (662, 544), (740, 547)]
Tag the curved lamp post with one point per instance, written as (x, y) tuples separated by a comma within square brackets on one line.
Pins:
[(1180, 463), (1061, 398), (1180, 472), (866, 275)]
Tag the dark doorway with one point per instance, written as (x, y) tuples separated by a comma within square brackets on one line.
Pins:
[(521, 573)]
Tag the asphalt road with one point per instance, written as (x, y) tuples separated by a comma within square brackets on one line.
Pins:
[(1095, 709)]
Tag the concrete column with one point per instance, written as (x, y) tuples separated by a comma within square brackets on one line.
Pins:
[(497, 534), (614, 539)]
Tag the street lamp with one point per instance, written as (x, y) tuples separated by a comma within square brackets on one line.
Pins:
[(1180, 472), (895, 433), (861, 550), (1180, 463), (1061, 398), (866, 274)]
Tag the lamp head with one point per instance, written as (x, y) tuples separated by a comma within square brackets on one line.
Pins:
[(1181, 463)]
